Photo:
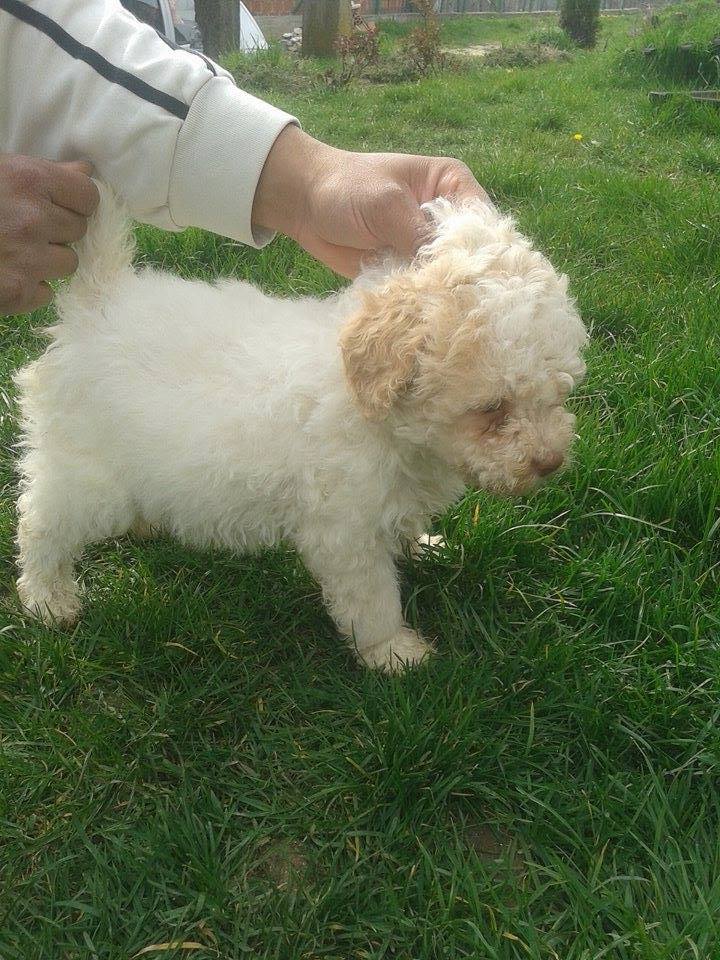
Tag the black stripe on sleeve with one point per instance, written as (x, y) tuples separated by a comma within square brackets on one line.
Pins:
[(98, 63)]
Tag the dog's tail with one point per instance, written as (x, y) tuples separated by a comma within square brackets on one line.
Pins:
[(105, 256)]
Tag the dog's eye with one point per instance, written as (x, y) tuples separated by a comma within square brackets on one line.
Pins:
[(486, 418)]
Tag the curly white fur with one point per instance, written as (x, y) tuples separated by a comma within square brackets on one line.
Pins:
[(224, 416)]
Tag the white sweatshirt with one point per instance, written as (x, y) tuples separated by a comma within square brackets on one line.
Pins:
[(169, 130)]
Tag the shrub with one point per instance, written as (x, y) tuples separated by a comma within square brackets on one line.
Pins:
[(523, 55), (580, 19), (357, 52), (422, 45), (361, 56), (394, 68), (551, 37)]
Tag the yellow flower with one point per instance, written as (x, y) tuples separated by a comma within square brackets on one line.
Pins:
[(578, 137)]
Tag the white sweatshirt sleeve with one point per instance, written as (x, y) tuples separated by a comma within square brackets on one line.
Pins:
[(83, 79)]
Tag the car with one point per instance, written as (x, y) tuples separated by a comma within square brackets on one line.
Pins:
[(175, 20), (163, 16)]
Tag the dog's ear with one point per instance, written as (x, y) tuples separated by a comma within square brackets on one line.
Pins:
[(380, 344)]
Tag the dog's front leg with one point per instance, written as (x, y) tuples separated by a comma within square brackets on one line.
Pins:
[(425, 543), (360, 586)]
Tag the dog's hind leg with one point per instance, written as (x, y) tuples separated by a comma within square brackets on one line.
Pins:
[(60, 511)]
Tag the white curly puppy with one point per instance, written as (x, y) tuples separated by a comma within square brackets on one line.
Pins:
[(224, 416)]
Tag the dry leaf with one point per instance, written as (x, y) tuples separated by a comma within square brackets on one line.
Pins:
[(172, 945)]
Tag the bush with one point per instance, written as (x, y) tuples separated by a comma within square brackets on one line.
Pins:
[(361, 56), (422, 45), (357, 52), (551, 37), (580, 19), (394, 68), (523, 55)]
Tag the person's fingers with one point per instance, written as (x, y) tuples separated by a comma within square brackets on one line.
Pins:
[(431, 177), (471, 190), (455, 179), (39, 297), (59, 262), (70, 186), (399, 223), (82, 166), (65, 226)]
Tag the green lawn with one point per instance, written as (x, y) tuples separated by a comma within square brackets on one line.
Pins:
[(201, 760)]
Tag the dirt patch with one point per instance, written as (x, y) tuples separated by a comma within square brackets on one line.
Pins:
[(478, 50), (495, 848), (514, 55), (283, 864)]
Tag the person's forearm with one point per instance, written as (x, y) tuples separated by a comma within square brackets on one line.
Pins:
[(296, 164), (182, 146)]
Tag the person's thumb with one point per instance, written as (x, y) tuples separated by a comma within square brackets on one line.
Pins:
[(403, 226), (79, 166)]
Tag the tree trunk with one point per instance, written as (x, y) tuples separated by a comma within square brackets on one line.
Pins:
[(219, 23), (323, 23)]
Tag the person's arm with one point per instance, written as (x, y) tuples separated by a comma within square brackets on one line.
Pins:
[(85, 80), (173, 135)]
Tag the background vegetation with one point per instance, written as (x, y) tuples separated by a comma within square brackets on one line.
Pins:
[(681, 43)]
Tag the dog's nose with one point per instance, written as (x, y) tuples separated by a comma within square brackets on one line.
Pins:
[(547, 464)]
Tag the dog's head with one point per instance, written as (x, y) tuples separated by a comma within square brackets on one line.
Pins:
[(470, 350)]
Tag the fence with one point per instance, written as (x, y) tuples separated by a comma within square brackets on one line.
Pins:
[(284, 8), (380, 7)]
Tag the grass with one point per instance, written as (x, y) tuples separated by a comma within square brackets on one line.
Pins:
[(682, 44), (467, 31), (199, 760)]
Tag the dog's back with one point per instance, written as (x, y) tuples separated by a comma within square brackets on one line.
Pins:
[(173, 391)]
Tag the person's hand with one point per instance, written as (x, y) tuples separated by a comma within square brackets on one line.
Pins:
[(43, 207), (342, 206)]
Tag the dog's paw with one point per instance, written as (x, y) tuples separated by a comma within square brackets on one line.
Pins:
[(406, 649), (427, 543), (60, 604)]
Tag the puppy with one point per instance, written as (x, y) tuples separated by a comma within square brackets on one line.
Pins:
[(223, 416)]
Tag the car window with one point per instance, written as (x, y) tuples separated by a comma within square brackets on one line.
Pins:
[(146, 10), (186, 9)]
